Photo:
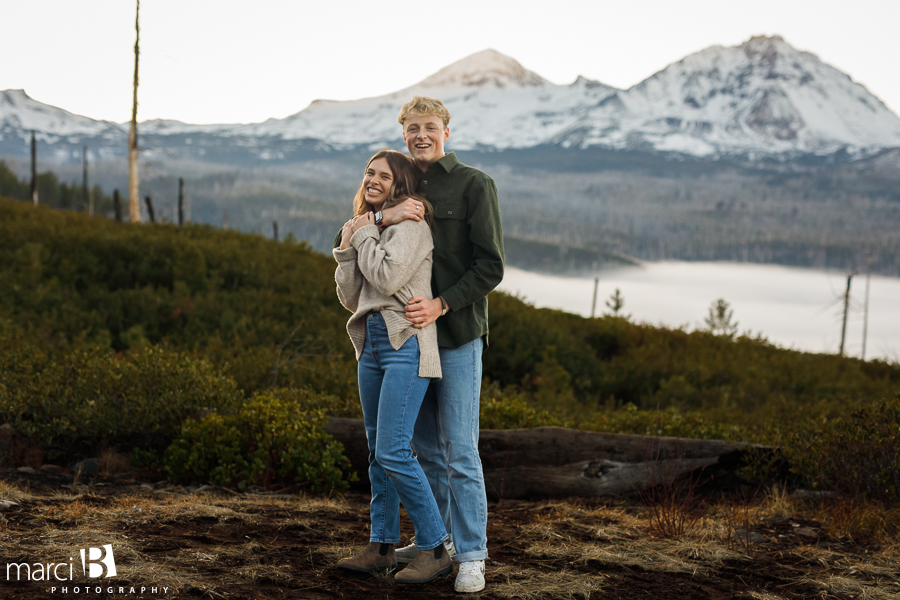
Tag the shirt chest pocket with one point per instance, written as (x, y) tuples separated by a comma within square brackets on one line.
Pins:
[(450, 228)]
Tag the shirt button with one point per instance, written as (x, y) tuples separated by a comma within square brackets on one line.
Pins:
[(424, 182)]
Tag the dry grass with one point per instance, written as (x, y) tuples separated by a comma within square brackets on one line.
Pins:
[(845, 587), (851, 518), (553, 549), (13, 493), (531, 584)]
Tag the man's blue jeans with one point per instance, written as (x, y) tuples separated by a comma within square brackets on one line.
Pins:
[(391, 392), (446, 443)]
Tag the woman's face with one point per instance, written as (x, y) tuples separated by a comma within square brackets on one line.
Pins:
[(377, 182)]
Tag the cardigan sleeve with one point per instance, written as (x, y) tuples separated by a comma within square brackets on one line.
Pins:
[(348, 278), (389, 260)]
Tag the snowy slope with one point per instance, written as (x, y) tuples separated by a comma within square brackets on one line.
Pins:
[(19, 112)]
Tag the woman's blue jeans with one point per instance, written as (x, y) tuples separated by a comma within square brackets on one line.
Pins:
[(391, 393)]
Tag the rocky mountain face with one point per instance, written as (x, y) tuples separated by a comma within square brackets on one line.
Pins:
[(761, 99)]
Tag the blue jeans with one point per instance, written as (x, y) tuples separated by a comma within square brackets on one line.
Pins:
[(446, 443), (391, 393)]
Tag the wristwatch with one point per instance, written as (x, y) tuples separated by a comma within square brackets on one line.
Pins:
[(444, 306), (379, 219)]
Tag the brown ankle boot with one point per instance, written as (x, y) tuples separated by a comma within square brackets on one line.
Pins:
[(427, 565), (374, 558)]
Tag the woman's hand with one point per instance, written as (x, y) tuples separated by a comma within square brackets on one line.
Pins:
[(346, 234), (361, 221)]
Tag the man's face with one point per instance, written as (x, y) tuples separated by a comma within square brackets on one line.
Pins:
[(425, 136)]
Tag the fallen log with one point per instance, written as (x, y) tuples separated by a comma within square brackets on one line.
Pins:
[(554, 462)]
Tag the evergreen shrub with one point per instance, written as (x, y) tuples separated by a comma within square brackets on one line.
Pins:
[(84, 401), (511, 410), (857, 456), (271, 440), (668, 422)]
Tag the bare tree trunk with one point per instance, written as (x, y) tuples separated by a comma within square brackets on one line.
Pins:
[(34, 192), (180, 201), (866, 306), (846, 309), (84, 181), (149, 201), (117, 206), (275, 230), (134, 206)]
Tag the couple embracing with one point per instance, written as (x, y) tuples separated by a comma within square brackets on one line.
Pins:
[(415, 266)]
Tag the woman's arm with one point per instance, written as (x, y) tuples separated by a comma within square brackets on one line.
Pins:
[(348, 278), (389, 260)]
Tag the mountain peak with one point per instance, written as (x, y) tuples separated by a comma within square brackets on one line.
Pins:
[(487, 67), (14, 97)]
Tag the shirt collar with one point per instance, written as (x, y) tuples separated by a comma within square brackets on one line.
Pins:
[(446, 162)]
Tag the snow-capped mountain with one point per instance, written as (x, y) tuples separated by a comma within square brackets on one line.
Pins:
[(19, 112), (495, 103), (761, 98)]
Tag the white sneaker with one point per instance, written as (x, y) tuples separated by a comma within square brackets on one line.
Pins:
[(407, 554), (470, 577)]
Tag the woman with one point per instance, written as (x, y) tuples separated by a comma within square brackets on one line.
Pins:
[(378, 272)]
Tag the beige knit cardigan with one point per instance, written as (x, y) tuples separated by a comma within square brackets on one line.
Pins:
[(380, 272)]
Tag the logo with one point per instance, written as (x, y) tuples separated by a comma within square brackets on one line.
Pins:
[(97, 564)]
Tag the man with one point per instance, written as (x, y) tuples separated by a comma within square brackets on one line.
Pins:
[(468, 264)]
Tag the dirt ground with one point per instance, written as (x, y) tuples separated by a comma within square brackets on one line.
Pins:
[(212, 543)]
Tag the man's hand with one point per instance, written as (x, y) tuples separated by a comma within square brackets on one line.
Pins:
[(422, 312), (408, 209)]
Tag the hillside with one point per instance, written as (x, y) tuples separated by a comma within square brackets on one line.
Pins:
[(232, 298)]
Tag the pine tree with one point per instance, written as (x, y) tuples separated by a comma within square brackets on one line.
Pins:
[(719, 319)]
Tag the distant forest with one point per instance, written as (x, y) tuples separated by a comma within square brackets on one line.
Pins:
[(562, 210)]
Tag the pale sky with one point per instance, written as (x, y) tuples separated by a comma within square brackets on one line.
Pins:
[(224, 61)]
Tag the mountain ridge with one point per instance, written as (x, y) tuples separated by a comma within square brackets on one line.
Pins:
[(762, 98)]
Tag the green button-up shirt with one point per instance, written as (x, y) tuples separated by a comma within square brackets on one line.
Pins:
[(468, 246)]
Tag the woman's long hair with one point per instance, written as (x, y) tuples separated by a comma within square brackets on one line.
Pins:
[(405, 179)]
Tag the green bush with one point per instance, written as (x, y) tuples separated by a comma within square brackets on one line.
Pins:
[(270, 441), (669, 422), (78, 403), (508, 409), (857, 456)]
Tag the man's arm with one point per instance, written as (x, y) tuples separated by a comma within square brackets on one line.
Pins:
[(408, 209)]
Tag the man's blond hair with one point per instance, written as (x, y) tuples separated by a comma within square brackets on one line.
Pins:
[(422, 105)]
